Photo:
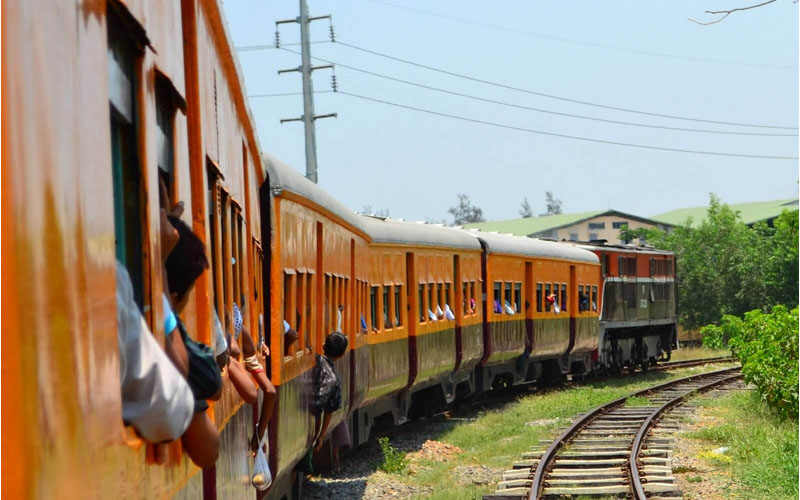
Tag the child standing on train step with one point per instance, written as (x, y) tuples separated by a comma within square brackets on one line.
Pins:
[(327, 397)]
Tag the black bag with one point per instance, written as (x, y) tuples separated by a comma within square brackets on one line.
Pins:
[(204, 377)]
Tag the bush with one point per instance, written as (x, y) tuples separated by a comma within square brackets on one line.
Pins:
[(767, 346), (713, 337), (394, 460)]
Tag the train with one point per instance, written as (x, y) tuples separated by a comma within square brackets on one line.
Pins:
[(104, 102)]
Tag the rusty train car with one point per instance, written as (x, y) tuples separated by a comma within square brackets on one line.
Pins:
[(102, 102)]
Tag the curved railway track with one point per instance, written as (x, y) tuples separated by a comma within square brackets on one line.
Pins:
[(616, 449)]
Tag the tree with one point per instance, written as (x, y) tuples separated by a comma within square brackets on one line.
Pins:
[(367, 210), (724, 267), (643, 234), (525, 210), (465, 212), (728, 12), (553, 204)]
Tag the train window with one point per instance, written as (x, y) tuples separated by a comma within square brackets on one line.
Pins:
[(547, 294), (557, 293), (518, 297), (669, 268), (309, 322), (301, 326), (398, 292), (594, 297), (630, 266), (287, 308), (447, 294), (421, 303), (563, 297), (508, 299), (387, 290), (581, 305), (326, 314), (498, 297), (226, 251), (126, 176), (621, 265), (431, 303), (465, 298), (439, 301), (603, 264), (538, 297), (373, 307)]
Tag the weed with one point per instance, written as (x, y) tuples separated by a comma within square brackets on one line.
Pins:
[(394, 460), (638, 401), (694, 479)]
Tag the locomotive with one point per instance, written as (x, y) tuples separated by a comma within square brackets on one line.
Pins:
[(105, 101)]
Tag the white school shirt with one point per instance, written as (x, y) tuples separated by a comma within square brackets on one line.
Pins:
[(156, 399)]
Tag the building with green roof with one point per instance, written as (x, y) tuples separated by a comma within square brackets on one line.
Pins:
[(583, 226), (750, 213)]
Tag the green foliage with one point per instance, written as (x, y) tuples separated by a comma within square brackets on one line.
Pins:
[(725, 267), (465, 212), (767, 346), (713, 337), (394, 460)]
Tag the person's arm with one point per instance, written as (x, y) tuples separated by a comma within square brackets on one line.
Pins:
[(267, 407), (201, 441), (326, 420), (242, 382)]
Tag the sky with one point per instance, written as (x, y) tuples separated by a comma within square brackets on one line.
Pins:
[(642, 56)]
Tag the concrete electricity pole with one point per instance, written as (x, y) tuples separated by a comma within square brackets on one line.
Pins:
[(305, 69)]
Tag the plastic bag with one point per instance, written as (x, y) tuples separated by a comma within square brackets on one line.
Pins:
[(556, 308), (262, 477)]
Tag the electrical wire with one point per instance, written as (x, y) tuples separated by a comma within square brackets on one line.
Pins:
[(564, 136), (540, 110), (579, 42), (255, 96), (559, 98)]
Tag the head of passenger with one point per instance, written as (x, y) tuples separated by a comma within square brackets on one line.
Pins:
[(185, 263), (335, 346)]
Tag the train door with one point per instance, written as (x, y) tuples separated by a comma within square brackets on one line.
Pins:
[(265, 206)]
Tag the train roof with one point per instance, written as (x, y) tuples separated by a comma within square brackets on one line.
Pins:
[(532, 247), (622, 248), (412, 233), (282, 177)]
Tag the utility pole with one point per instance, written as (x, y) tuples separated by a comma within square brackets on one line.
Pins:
[(305, 69)]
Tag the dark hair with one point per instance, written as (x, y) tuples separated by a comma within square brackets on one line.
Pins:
[(335, 345), (187, 261)]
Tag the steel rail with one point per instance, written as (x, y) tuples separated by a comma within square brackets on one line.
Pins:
[(549, 455), (694, 362), (633, 466)]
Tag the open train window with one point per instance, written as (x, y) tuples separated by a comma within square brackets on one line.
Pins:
[(466, 296), (288, 277), (431, 303), (301, 326), (447, 295), (538, 297), (581, 304), (474, 298), (518, 297), (308, 322), (439, 305), (373, 307), (594, 297), (421, 304), (508, 299), (557, 293), (387, 290), (498, 297), (126, 175), (398, 317), (547, 294), (563, 297)]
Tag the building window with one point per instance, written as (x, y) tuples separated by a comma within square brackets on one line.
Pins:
[(619, 224), (597, 225), (573, 236), (593, 236)]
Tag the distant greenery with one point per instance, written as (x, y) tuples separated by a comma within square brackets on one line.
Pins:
[(465, 212), (394, 460), (725, 267)]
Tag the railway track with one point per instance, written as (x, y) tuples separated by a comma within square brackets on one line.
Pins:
[(671, 365), (616, 449)]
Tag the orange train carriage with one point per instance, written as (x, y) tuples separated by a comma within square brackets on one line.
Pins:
[(101, 101)]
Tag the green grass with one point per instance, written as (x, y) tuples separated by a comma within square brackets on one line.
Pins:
[(638, 401), (688, 353), (500, 434), (763, 450)]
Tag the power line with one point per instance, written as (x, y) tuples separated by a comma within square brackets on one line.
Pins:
[(580, 42), (564, 136), (284, 94), (559, 98), (250, 48), (540, 110)]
